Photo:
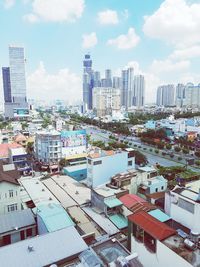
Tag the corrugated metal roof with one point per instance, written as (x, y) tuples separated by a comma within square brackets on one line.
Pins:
[(159, 215), (129, 200), (18, 219), (112, 202), (46, 249), (119, 220), (152, 226), (54, 217)]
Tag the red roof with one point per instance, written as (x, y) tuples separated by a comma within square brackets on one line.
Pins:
[(5, 147), (129, 200), (152, 226)]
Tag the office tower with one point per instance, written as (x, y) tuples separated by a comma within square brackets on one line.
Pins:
[(180, 95), (127, 87), (139, 91), (166, 95), (192, 96), (97, 79), (106, 100), (108, 78), (14, 84), (116, 82), (103, 82), (6, 85), (88, 82)]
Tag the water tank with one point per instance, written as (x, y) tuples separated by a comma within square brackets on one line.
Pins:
[(189, 244), (194, 236)]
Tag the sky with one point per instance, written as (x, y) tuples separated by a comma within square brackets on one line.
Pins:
[(159, 38)]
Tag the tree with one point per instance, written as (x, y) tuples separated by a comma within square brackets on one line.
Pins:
[(168, 146), (197, 153), (177, 148), (140, 159), (185, 150)]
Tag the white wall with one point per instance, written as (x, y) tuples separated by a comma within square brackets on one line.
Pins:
[(111, 165), (5, 200), (164, 257)]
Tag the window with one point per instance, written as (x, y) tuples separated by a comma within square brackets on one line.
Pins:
[(29, 232), (11, 193), (98, 162), (186, 205), (12, 207), (156, 189), (89, 161), (162, 187), (130, 163)]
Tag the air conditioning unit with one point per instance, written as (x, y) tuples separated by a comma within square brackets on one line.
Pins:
[(121, 262)]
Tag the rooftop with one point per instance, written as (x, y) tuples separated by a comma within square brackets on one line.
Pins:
[(119, 220), (43, 250), (159, 215), (187, 193), (152, 226), (38, 192), (75, 167), (65, 200), (18, 151), (4, 148), (16, 220), (106, 191), (77, 191), (112, 202), (9, 173), (54, 217)]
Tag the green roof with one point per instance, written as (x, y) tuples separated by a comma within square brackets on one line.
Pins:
[(119, 220), (112, 202), (54, 217)]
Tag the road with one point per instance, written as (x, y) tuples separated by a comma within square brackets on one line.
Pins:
[(98, 135)]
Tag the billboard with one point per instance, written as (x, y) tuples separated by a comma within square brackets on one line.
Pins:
[(20, 112), (73, 138)]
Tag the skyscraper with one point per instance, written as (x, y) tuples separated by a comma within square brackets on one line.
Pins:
[(180, 94), (139, 91), (116, 82), (14, 84), (108, 78), (88, 82), (127, 87), (166, 95), (6, 85), (97, 79)]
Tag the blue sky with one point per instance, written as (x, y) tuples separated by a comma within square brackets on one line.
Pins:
[(150, 35)]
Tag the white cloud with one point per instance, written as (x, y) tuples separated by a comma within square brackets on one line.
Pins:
[(167, 66), (62, 85), (9, 3), (125, 41), (56, 10), (89, 40), (108, 17), (186, 53), (176, 22)]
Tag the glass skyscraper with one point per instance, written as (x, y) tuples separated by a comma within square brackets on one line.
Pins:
[(14, 84)]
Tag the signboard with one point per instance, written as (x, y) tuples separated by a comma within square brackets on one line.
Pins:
[(20, 112), (73, 138)]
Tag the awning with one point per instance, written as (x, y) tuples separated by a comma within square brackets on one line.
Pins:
[(112, 202), (119, 220)]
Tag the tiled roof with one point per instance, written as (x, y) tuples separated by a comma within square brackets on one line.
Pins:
[(10, 176), (4, 148), (152, 226)]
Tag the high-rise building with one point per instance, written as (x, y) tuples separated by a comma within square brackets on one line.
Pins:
[(88, 82), (108, 78), (180, 95), (106, 100), (139, 91), (127, 87), (97, 79), (192, 96), (6, 85), (116, 82), (14, 84), (166, 95)]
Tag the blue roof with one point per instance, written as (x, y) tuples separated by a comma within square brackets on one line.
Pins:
[(159, 215), (54, 217)]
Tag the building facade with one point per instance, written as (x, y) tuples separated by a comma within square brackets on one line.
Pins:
[(48, 146), (106, 100), (166, 95), (139, 91), (127, 88)]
